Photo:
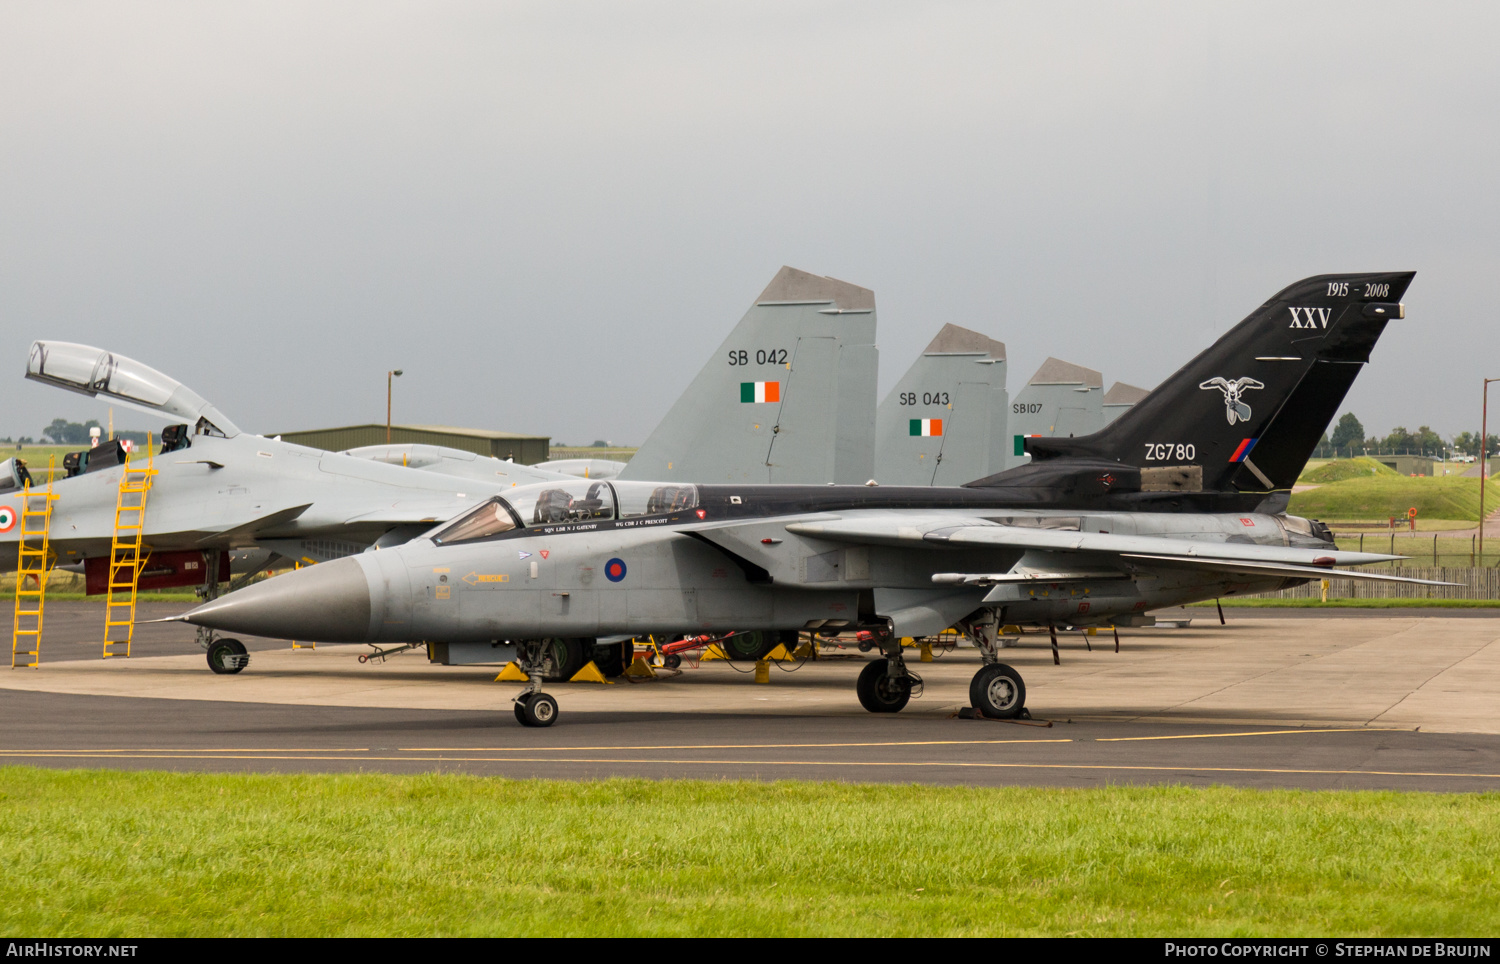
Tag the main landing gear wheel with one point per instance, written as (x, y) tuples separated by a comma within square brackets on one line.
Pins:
[(538, 709), (879, 692), (998, 692), (565, 657), (228, 656), (749, 646)]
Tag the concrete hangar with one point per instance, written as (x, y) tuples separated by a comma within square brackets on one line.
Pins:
[(525, 449)]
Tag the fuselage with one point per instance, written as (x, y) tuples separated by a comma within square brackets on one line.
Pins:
[(722, 559)]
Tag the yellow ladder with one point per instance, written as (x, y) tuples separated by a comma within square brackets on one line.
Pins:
[(126, 557), (33, 560)]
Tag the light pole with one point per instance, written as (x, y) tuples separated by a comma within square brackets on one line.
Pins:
[(389, 376), (1484, 461)]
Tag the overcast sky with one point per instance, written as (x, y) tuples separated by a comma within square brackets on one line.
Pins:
[(550, 214)]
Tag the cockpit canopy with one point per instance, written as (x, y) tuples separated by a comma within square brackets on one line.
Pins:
[(94, 372), (549, 504)]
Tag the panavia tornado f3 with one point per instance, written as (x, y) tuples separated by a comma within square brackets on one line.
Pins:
[(1182, 498)]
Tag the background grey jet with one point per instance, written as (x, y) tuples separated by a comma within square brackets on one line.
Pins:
[(1061, 400), (1119, 398), (945, 421), (219, 488), (788, 397), (1163, 507)]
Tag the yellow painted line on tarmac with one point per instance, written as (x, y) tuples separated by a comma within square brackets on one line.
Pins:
[(712, 746), (167, 749), (870, 764), (1213, 736)]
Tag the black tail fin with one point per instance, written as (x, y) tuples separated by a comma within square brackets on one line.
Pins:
[(1246, 414)]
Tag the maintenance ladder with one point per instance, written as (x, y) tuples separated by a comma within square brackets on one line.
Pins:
[(126, 556), (33, 561)]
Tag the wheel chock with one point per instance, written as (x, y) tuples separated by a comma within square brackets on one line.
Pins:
[(763, 670), (780, 655), (908, 642), (512, 672), (640, 669), (713, 652), (808, 650), (589, 674), (926, 651)]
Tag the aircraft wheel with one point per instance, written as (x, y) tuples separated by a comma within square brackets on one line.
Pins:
[(566, 656), (538, 709), (613, 659), (749, 646), (227, 656), (878, 691), (998, 692)]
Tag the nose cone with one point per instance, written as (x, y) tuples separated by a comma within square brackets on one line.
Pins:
[(326, 603)]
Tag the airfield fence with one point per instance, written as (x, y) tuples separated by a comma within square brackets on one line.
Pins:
[(1473, 583), (1426, 548)]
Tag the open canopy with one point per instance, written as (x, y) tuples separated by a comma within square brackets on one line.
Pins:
[(94, 372)]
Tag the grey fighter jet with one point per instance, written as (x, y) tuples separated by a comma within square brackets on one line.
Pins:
[(221, 494), (1169, 504), (219, 488)]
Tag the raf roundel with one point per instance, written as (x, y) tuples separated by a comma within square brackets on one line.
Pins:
[(614, 570), (7, 518)]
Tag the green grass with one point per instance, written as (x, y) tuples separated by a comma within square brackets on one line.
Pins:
[(1263, 602), (1380, 497), (1338, 471), (111, 853)]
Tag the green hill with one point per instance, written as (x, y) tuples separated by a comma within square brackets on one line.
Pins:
[(1338, 471), (1383, 496)]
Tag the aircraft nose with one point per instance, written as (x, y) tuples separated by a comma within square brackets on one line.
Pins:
[(326, 603)]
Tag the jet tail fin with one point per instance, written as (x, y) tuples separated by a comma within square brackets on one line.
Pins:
[(1247, 412), (945, 421), (788, 397)]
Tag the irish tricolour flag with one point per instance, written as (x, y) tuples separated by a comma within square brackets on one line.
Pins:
[(926, 426), (760, 391)]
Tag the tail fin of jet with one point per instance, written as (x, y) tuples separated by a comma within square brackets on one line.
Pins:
[(945, 422), (788, 397), (1246, 413), (1061, 400), (1119, 398)]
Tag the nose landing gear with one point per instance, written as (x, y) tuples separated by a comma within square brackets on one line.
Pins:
[(536, 709), (227, 656), (533, 707)]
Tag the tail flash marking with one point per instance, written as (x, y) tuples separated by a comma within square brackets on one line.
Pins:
[(1243, 452), (760, 392), (927, 427), (1021, 443)]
